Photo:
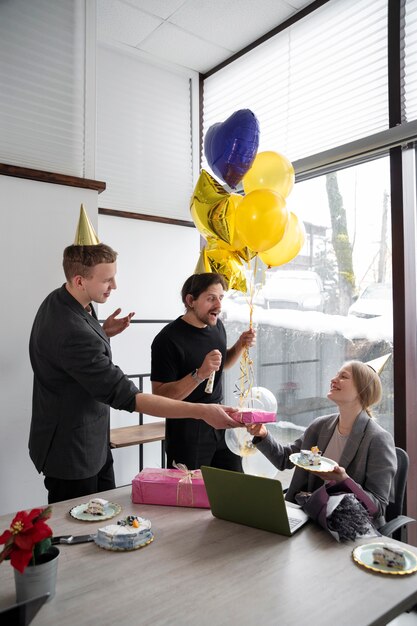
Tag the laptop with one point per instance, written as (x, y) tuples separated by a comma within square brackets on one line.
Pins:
[(251, 500), (22, 614)]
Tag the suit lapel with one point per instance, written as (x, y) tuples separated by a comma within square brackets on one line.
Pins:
[(91, 319), (354, 439), (95, 325)]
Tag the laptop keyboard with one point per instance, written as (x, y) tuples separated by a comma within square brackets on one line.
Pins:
[(294, 522)]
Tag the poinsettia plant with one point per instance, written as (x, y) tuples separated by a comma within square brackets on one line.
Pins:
[(27, 538)]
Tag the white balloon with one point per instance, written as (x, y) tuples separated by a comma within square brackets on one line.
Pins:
[(260, 398), (239, 441), (285, 432), (258, 465)]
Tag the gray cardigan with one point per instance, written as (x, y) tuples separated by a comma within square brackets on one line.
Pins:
[(369, 458)]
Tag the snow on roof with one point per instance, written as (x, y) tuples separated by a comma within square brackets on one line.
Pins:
[(351, 327)]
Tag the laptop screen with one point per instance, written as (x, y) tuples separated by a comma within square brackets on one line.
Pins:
[(22, 614), (250, 500)]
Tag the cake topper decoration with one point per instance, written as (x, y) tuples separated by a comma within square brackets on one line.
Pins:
[(85, 234), (378, 364)]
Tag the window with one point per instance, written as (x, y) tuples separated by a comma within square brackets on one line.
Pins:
[(306, 329), (311, 87), (410, 60)]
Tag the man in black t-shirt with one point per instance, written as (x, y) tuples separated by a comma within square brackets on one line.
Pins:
[(184, 354)]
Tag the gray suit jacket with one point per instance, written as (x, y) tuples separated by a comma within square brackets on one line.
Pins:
[(369, 458), (74, 384)]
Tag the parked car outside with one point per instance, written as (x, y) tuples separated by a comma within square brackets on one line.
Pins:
[(374, 301), (301, 290)]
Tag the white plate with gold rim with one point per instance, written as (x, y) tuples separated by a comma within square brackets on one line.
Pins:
[(109, 510), (326, 465), (363, 555)]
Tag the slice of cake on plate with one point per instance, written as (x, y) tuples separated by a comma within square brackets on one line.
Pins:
[(96, 506), (389, 555), (310, 458)]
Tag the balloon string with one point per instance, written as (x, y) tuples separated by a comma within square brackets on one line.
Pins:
[(247, 378), (252, 292)]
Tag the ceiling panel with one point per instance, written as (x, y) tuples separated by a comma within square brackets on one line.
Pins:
[(183, 48), (233, 24), (196, 34), (117, 21), (160, 8)]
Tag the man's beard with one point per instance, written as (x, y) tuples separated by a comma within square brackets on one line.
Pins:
[(208, 319)]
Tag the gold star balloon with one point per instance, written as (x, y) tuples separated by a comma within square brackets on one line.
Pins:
[(224, 262)]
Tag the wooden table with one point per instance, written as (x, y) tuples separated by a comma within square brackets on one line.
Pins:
[(203, 571)]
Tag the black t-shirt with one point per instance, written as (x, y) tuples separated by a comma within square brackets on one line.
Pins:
[(180, 348)]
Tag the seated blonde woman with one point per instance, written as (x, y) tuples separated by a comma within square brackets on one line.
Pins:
[(363, 450)]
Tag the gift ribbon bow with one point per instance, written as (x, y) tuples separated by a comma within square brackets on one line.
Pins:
[(185, 496)]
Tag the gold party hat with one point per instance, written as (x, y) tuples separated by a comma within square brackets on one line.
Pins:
[(203, 264), (85, 234), (379, 363)]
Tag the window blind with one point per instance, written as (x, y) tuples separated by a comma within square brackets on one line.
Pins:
[(410, 60), (143, 135), (320, 83), (42, 44)]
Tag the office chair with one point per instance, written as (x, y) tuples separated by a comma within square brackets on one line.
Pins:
[(396, 525)]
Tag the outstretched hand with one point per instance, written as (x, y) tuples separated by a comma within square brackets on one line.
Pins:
[(219, 416), (257, 430), (114, 326)]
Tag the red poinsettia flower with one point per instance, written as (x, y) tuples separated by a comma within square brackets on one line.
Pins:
[(26, 537)]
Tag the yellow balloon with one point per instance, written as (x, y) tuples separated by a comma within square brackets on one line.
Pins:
[(289, 246), (223, 262), (270, 170), (261, 219)]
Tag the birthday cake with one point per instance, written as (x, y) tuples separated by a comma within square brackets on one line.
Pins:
[(131, 533), (96, 506), (389, 555), (310, 458)]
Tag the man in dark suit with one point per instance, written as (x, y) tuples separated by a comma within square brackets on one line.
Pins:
[(76, 382)]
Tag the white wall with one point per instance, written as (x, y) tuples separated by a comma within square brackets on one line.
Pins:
[(154, 261), (37, 221)]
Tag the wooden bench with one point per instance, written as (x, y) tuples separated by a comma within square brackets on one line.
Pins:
[(138, 436)]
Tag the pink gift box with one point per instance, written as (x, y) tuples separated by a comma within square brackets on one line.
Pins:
[(170, 487), (254, 416)]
